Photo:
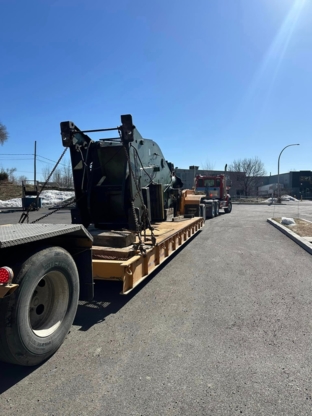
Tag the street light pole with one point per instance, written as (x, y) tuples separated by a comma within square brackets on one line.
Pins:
[(278, 167)]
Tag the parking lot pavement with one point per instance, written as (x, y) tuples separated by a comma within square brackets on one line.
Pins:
[(223, 328), (9, 216)]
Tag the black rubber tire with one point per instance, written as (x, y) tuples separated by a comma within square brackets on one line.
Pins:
[(211, 211), (229, 208), (36, 318), (217, 209)]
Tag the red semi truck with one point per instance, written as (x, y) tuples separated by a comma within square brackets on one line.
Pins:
[(208, 196), (216, 193)]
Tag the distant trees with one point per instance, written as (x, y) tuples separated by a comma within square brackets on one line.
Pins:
[(3, 175), (253, 169), (207, 166), (7, 174), (21, 179), (4, 135), (62, 176), (45, 173), (67, 176), (10, 172)]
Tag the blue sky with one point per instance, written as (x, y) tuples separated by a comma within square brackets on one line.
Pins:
[(210, 81)]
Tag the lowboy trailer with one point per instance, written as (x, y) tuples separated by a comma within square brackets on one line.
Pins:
[(129, 218)]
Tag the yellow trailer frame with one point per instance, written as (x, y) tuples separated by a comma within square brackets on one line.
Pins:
[(169, 237)]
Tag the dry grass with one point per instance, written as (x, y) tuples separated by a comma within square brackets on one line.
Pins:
[(9, 191), (302, 227)]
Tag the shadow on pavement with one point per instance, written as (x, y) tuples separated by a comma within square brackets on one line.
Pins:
[(107, 301), (11, 374)]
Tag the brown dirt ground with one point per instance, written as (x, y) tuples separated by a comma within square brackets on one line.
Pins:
[(303, 228)]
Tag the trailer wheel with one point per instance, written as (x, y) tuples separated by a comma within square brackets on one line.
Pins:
[(37, 317), (229, 208)]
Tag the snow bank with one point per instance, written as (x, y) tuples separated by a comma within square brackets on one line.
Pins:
[(283, 198), (48, 198), (288, 198)]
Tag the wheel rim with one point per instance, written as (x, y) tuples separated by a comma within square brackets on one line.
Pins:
[(49, 304)]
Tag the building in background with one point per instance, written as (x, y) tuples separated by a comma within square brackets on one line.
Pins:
[(270, 190), (233, 179), (296, 184)]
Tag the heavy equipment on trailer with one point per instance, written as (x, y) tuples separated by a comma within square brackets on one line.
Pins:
[(129, 217)]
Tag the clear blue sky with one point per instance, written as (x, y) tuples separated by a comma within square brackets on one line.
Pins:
[(209, 80)]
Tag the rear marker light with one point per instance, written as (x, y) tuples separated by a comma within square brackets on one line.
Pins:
[(6, 275)]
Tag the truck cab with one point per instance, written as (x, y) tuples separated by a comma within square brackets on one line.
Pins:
[(215, 192)]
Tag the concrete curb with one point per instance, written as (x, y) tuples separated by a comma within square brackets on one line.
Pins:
[(7, 210), (256, 203), (295, 237)]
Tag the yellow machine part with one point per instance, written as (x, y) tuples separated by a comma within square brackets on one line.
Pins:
[(189, 198)]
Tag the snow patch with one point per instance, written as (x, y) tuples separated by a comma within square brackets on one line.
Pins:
[(48, 198), (288, 221), (283, 198), (288, 198)]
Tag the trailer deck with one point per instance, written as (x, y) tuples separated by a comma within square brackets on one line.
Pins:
[(130, 267)]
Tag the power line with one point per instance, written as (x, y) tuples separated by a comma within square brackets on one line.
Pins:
[(27, 154), (14, 159), (23, 171), (17, 154), (42, 157), (49, 163)]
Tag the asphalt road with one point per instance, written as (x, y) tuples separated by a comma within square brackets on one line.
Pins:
[(12, 216), (224, 328)]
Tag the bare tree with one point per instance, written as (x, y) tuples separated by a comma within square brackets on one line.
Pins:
[(4, 135), (61, 176), (21, 179), (67, 178), (250, 171), (207, 166), (57, 176), (45, 172), (10, 172)]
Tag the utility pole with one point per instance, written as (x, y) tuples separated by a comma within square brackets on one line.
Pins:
[(35, 157), (278, 169)]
